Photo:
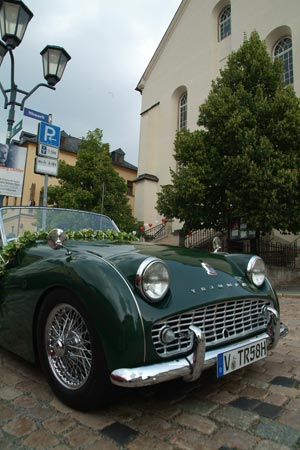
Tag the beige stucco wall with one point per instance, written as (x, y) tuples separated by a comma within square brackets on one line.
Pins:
[(188, 58), (127, 175)]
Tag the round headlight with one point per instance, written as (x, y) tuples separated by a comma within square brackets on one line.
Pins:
[(256, 271), (152, 279)]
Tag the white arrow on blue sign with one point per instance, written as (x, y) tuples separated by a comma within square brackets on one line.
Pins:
[(49, 134)]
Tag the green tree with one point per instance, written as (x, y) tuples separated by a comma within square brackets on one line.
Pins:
[(245, 158), (93, 184)]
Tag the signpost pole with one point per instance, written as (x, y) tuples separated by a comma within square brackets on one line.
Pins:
[(45, 196)]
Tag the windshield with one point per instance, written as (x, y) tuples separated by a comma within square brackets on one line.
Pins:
[(14, 221)]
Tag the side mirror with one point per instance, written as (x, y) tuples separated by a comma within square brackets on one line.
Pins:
[(217, 244), (56, 238)]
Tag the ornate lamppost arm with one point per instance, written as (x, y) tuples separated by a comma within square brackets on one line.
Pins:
[(28, 94), (12, 100)]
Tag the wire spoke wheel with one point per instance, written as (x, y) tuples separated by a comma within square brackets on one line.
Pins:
[(68, 346)]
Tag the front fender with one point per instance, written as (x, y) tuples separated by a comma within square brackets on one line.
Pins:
[(112, 307)]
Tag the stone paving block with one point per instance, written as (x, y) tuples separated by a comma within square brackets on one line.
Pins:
[(61, 447), (81, 436), (6, 445), (255, 382), (41, 412), (280, 433), (277, 399), (291, 418), (95, 420), (289, 392), (192, 440), (25, 401), (9, 393), (235, 439), (222, 397), (10, 378), (274, 369), (195, 406), (248, 404), (146, 443), (235, 388), (293, 405), (20, 426), (59, 424), (196, 422), (154, 426), (236, 418), (40, 440), (162, 410), (103, 444), (270, 445), (6, 413), (277, 357), (120, 433), (286, 382), (254, 392), (259, 379), (61, 407), (268, 410)]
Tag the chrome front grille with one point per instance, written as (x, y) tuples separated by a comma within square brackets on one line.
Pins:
[(220, 323)]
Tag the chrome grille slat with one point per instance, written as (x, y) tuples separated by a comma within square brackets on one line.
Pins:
[(220, 323)]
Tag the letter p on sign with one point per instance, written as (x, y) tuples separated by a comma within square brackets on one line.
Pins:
[(49, 134)]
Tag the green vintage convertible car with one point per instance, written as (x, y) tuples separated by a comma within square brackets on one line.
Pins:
[(101, 308)]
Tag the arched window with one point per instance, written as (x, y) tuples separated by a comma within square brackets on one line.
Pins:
[(284, 50), (225, 23), (182, 122)]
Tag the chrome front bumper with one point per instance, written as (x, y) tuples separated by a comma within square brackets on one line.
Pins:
[(191, 366)]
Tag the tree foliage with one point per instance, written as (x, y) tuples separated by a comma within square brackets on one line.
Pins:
[(93, 184), (245, 158)]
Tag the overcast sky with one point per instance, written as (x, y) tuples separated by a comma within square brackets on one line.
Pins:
[(111, 43)]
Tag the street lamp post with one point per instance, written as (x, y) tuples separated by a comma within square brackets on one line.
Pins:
[(14, 18)]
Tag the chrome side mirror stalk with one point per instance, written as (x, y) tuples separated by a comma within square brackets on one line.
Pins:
[(56, 239), (217, 245)]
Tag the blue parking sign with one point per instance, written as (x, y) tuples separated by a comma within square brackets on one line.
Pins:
[(49, 134)]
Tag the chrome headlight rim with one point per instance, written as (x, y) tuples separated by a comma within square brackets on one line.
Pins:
[(140, 279), (256, 271)]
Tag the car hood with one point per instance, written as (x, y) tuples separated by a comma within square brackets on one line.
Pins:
[(193, 273)]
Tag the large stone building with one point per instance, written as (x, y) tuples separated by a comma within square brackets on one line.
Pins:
[(178, 77), (34, 183)]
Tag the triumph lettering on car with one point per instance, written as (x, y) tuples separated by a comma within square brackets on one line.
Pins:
[(98, 308)]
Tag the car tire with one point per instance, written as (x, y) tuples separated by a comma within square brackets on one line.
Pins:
[(70, 353)]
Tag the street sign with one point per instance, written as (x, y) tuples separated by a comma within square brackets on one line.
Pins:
[(48, 134), (36, 115), (16, 128), (46, 166), (47, 150)]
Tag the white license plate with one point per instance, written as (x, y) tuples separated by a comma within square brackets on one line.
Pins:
[(240, 357)]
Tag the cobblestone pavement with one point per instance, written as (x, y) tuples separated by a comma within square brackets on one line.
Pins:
[(257, 408)]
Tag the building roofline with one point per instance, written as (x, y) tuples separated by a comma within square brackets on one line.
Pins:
[(180, 10)]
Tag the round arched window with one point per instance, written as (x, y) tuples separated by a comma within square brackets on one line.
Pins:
[(284, 50), (182, 122)]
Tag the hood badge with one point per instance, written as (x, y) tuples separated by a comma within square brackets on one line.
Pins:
[(209, 269), (212, 287)]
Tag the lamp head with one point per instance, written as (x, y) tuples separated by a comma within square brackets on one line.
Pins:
[(14, 18), (54, 63)]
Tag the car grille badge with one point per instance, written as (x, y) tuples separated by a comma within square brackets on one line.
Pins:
[(209, 269)]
